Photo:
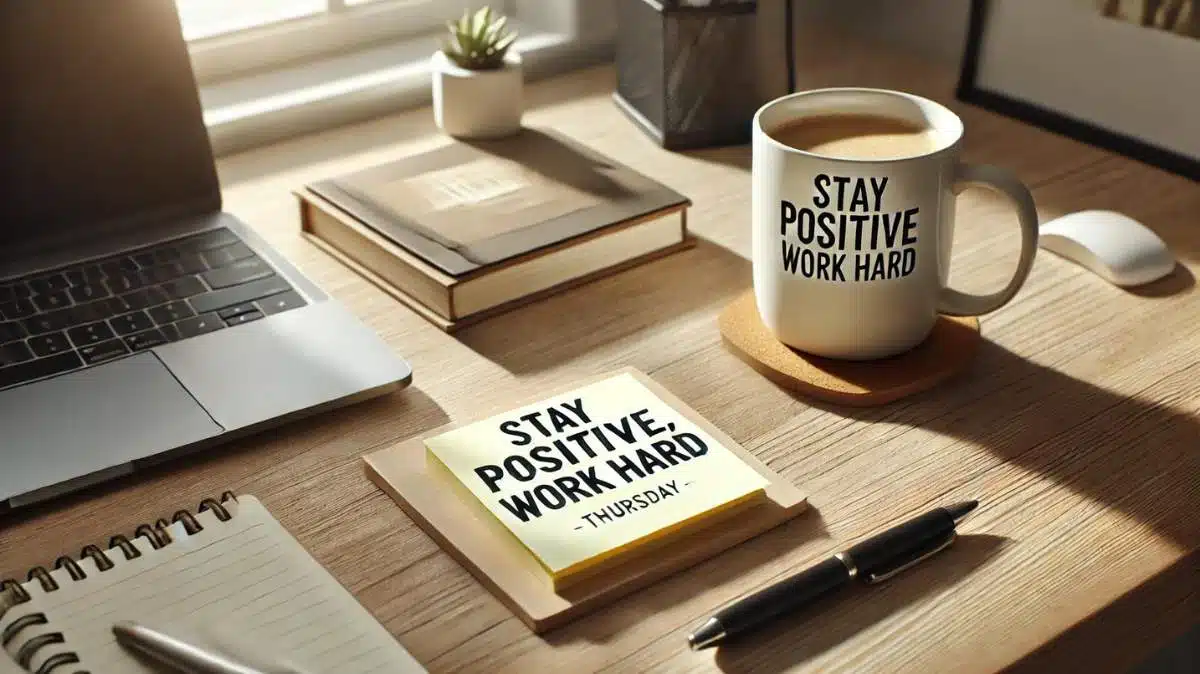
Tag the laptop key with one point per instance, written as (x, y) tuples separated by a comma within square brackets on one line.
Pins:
[(88, 313), (118, 305), (144, 298), (200, 325), (167, 254), (145, 259), (277, 304), (172, 312), (52, 301), (228, 255), (50, 344), (17, 309), (13, 353), (131, 323), (122, 266), (170, 332), (244, 318), (89, 292), (51, 322), (249, 292), (124, 283), (155, 296), (237, 273), (93, 273), (49, 284), (75, 277), (192, 263), (183, 288), (160, 274), (36, 369), (237, 309), (7, 294), (92, 333), (98, 353), (207, 241), (11, 331), (145, 340)]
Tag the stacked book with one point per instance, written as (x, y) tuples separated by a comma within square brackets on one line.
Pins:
[(471, 229)]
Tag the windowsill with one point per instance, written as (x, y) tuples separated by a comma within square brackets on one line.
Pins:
[(264, 108)]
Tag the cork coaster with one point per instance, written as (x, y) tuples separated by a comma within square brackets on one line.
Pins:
[(948, 350)]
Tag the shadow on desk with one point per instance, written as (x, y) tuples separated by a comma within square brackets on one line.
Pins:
[(637, 610), (1128, 452), (838, 618), (1180, 280), (566, 326)]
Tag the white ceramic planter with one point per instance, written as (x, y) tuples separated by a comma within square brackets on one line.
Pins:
[(478, 103)]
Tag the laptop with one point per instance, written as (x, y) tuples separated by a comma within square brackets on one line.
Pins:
[(138, 321)]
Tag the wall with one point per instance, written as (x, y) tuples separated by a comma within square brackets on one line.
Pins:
[(936, 29)]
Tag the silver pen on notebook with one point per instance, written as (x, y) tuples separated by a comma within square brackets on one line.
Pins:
[(172, 652)]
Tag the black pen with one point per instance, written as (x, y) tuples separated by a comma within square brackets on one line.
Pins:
[(874, 560)]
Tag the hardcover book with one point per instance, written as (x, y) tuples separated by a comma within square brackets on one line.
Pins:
[(586, 479), (470, 228)]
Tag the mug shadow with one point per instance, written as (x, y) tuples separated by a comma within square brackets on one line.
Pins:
[(948, 345), (816, 629), (1130, 453)]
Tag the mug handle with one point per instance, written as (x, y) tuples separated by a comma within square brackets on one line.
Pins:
[(954, 303)]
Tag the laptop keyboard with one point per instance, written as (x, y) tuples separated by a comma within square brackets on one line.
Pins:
[(103, 309)]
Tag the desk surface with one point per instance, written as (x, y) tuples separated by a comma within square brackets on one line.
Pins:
[(1078, 426)]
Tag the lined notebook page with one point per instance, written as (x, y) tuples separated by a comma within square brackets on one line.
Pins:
[(243, 587)]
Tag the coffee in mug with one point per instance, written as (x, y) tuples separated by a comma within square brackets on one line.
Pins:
[(856, 136), (853, 217)]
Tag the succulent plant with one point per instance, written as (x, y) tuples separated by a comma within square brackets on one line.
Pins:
[(478, 41)]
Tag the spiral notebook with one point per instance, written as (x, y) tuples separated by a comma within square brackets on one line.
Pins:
[(228, 577)]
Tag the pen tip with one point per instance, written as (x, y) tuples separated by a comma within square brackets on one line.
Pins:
[(706, 635), (960, 510)]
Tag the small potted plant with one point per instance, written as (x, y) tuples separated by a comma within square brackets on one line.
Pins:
[(477, 78)]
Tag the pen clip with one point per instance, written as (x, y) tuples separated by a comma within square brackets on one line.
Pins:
[(880, 575)]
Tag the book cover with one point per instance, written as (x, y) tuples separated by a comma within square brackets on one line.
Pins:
[(464, 206), (589, 475)]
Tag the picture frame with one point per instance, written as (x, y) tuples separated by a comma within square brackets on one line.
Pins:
[(1078, 68)]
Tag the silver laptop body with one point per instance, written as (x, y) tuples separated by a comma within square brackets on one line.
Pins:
[(137, 320)]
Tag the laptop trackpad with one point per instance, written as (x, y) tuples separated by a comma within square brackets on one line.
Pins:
[(93, 420)]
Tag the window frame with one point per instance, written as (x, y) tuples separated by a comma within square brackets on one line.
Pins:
[(343, 28), (246, 109)]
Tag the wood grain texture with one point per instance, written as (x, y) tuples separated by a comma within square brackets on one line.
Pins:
[(1077, 426)]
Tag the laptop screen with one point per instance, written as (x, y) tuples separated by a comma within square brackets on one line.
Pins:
[(100, 119)]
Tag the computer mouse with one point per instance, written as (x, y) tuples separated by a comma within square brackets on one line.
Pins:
[(1114, 246)]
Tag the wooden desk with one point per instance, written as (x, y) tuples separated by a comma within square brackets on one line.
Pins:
[(1078, 427)]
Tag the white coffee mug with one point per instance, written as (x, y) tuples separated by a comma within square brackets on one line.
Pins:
[(823, 287)]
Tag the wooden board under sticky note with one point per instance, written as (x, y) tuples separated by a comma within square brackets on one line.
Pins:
[(493, 555)]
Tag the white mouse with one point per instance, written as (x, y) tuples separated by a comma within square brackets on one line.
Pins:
[(1116, 247)]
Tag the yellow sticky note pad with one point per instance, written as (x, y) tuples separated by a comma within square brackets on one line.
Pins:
[(584, 477)]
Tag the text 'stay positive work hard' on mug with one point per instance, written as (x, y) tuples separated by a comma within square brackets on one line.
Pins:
[(853, 216)]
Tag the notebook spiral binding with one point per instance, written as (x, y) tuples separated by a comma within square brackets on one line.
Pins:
[(12, 593)]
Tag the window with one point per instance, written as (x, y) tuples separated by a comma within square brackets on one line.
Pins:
[(272, 69), (236, 37)]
